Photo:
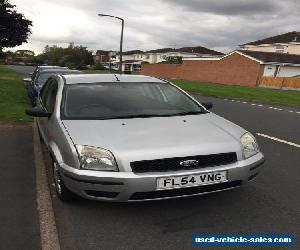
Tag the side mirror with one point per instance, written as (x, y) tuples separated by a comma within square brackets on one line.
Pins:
[(27, 80), (37, 112), (207, 105)]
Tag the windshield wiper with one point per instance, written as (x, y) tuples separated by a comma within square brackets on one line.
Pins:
[(190, 113), (157, 115), (133, 116)]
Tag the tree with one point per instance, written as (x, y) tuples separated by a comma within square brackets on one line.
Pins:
[(72, 56), (24, 53), (14, 27), (173, 59)]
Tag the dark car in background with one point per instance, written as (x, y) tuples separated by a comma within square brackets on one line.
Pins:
[(41, 76)]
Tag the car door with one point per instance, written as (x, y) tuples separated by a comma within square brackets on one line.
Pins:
[(47, 101)]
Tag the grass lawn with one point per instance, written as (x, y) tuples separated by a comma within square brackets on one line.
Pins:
[(13, 97), (291, 97)]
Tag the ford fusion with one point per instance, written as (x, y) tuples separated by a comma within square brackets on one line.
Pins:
[(133, 138)]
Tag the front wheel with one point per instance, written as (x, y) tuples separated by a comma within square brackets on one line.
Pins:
[(62, 191)]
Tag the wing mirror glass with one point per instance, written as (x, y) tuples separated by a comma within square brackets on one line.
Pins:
[(27, 80)]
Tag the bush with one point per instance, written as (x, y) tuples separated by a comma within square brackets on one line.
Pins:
[(98, 66), (70, 65)]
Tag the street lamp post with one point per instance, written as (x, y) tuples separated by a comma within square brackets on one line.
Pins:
[(121, 40)]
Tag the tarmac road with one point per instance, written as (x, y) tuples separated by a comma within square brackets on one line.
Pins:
[(270, 204)]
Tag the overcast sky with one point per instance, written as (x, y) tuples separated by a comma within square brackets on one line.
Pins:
[(217, 24)]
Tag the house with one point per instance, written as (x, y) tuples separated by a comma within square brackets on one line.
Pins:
[(160, 55), (133, 59), (276, 64), (240, 67), (285, 43), (130, 61), (103, 56)]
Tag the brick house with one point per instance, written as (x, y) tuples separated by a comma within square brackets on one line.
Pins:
[(103, 56), (243, 68)]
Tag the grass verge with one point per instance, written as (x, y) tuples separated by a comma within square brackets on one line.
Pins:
[(13, 97), (289, 97)]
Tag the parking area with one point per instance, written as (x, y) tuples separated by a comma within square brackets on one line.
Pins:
[(270, 204)]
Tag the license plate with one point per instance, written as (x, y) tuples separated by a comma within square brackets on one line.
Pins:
[(191, 180)]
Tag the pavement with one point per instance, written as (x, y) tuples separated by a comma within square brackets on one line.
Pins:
[(270, 204), (19, 217)]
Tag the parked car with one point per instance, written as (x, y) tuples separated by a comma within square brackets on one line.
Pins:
[(41, 77), (39, 68), (133, 138), (44, 67)]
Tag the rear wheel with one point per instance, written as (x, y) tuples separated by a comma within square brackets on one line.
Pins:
[(62, 191)]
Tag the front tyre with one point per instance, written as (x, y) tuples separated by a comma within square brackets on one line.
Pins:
[(63, 193)]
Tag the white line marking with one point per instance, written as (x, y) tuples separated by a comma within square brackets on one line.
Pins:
[(260, 105), (279, 140)]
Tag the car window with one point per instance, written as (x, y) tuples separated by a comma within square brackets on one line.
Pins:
[(51, 97), (48, 95), (44, 91), (125, 99)]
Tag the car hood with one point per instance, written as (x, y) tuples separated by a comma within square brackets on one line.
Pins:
[(158, 137)]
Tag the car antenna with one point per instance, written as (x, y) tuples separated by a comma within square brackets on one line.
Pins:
[(116, 77)]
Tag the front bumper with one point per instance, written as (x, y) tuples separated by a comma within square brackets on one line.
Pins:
[(129, 186)]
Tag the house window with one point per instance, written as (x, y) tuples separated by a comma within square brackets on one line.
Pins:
[(279, 49)]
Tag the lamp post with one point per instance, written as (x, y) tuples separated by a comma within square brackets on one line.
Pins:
[(121, 40)]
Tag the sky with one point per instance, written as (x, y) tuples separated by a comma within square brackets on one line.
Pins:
[(216, 24)]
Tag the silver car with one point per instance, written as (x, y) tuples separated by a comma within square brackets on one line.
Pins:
[(134, 138)]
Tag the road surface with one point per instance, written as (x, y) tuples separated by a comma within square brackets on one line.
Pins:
[(270, 204)]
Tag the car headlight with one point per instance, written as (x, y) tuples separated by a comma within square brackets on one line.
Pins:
[(249, 144), (94, 158)]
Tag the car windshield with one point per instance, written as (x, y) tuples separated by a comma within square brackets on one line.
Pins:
[(125, 100)]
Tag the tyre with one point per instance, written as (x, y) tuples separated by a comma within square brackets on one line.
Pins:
[(63, 193)]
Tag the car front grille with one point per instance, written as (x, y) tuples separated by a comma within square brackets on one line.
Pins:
[(175, 164), (159, 194)]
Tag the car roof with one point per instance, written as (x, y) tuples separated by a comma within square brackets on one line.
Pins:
[(95, 78), (59, 71), (51, 66)]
